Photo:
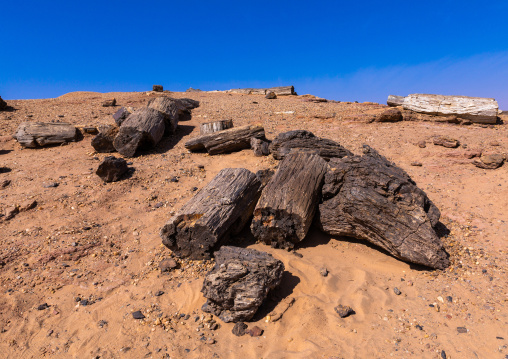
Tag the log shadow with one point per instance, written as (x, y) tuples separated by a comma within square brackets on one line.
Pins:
[(5, 170), (284, 290), (441, 230), (4, 152), (9, 109), (169, 142)]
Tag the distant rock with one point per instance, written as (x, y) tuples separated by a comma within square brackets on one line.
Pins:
[(190, 89), (112, 169), (109, 103), (157, 88)]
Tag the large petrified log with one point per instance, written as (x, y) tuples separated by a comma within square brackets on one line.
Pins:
[(103, 142), (35, 134), (239, 282), (233, 139), (215, 126), (287, 205), (286, 141), (367, 197), (143, 128), (279, 91), (476, 109), (221, 208), (112, 169), (173, 109)]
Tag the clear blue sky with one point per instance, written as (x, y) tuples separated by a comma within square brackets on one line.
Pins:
[(343, 50)]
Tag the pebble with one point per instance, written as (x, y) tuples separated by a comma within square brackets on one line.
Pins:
[(102, 323), (5, 183), (239, 329), (210, 341), (344, 311), (255, 331), (323, 271), (84, 302), (416, 164), (449, 299), (43, 306), (194, 189), (159, 293), (138, 315), (462, 330), (167, 264), (422, 144), (397, 291), (443, 354), (50, 184)]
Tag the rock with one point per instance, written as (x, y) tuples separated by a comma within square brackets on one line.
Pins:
[(396, 291), (190, 89), (38, 134), (120, 115), (43, 306), (138, 315), (50, 184), (443, 354), (255, 331), (111, 169), (395, 100), (159, 293), (422, 144), (3, 104), (239, 329), (489, 162), (109, 103), (271, 95), (389, 115), (446, 142), (4, 183), (28, 205), (239, 282), (449, 299), (462, 330), (167, 264), (367, 197), (10, 212), (344, 311), (260, 146), (157, 88), (416, 164), (103, 142), (215, 126), (323, 271)]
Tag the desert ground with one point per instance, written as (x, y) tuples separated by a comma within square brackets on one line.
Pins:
[(90, 250)]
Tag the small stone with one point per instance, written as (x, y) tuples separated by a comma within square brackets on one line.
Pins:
[(109, 103), (389, 115), (255, 331), (194, 189), (443, 354), (159, 293), (449, 299), (422, 144), (49, 332), (77, 299), (323, 271), (167, 264), (397, 291), (271, 95), (210, 341), (158, 205), (43, 306), (440, 299), (344, 311), (121, 115), (5, 183), (446, 142), (173, 179), (11, 212), (102, 323), (239, 329), (416, 164), (138, 315), (419, 327), (50, 184), (462, 330)]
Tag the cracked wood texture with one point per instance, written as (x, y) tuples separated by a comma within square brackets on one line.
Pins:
[(239, 282), (230, 140), (367, 197), (38, 134), (221, 208), (172, 109), (301, 139), (288, 203), (476, 109), (216, 126)]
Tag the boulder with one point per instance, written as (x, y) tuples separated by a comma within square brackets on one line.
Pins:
[(103, 142), (389, 115), (239, 282), (112, 169), (120, 115)]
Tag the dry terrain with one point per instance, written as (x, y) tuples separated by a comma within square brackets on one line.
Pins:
[(90, 250)]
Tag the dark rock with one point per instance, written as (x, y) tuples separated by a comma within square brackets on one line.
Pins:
[(264, 176), (28, 205), (489, 162), (239, 282), (4, 183), (111, 169), (389, 115), (394, 100), (446, 142), (462, 330), (239, 329), (271, 95), (109, 103), (449, 299), (39, 134), (443, 354), (173, 179), (84, 302), (416, 164), (157, 88), (419, 327), (344, 311), (3, 104), (367, 197), (159, 293), (43, 306), (121, 115), (102, 323), (397, 291), (167, 264), (50, 184), (255, 331), (323, 271), (260, 146), (103, 142), (138, 315), (305, 140)]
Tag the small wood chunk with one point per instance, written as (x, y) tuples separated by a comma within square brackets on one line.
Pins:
[(287, 205), (38, 134), (120, 115), (206, 221), (112, 169), (260, 146), (215, 126)]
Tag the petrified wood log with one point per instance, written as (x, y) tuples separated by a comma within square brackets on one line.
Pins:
[(221, 208), (260, 146), (239, 282), (215, 126), (143, 128), (112, 169), (286, 141), (476, 109), (120, 115), (170, 108), (367, 197), (287, 205), (35, 134), (103, 142), (279, 91), (233, 139), (395, 100)]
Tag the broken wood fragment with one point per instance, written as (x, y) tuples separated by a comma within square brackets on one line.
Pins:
[(38, 134)]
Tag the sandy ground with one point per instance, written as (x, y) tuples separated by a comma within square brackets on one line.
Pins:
[(87, 240)]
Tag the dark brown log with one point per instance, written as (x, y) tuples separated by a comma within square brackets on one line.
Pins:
[(216, 126), (142, 129), (239, 282), (103, 142), (287, 205), (286, 141), (233, 139), (35, 134), (367, 197), (260, 146), (174, 110), (220, 209), (112, 169)]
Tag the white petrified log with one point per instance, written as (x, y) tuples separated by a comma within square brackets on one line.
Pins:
[(476, 109)]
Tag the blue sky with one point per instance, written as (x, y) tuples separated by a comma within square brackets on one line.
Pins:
[(341, 50)]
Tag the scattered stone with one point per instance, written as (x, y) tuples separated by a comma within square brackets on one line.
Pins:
[(84, 302), (28, 205), (344, 311), (446, 142), (416, 164), (190, 89), (239, 329), (210, 341), (157, 88), (109, 103), (489, 162), (167, 264), (462, 330), (397, 291), (159, 293), (50, 184), (281, 308), (419, 327), (449, 299), (173, 179), (323, 271), (422, 144), (43, 306), (111, 169), (239, 282), (120, 115), (255, 331), (443, 354), (10, 212), (389, 115), (138, 315), (394, 100), (103, 142), (4, 183), (194, 189), (271, 95)]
